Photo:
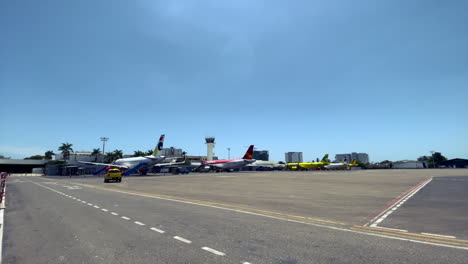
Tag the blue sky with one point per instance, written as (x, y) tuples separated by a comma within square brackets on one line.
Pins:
[(389, 78)]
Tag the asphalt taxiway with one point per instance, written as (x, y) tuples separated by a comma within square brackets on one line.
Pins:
[(259, 217)]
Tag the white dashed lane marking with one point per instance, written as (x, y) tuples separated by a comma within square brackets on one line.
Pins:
[(429, 234), (216, 252), (158, 230), (213, 251), (398, 204), (183, 239)]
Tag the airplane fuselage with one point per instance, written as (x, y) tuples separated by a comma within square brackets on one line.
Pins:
[(336, 166), (146, 162), (229, 164), (305, 165)]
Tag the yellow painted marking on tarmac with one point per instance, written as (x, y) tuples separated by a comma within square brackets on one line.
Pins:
[(413, 234), (413, 237), (215, 204), (442, 240)]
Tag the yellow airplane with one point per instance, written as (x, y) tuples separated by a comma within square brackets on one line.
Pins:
[(308, 165)]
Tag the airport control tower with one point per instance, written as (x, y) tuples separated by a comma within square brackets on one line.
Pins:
[(210, 142)]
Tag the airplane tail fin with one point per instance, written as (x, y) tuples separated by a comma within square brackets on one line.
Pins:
[(325, 158), (354, 162), (159, 146), (249, 153)]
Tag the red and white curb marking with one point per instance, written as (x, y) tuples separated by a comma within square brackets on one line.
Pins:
[(393, 205)]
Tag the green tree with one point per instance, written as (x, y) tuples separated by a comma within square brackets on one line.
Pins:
[(35, 157), (138, 153), (66, 148), (96, 153), (48, 154), (110, 156), (281, 162), (362, 165), (436, 159), (149, 152), (118, 153), (423, 158)]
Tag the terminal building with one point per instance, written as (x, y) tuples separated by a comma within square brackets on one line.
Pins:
[(21, 165), (261, 155), (75, 157), (361, 157), (293, 157)]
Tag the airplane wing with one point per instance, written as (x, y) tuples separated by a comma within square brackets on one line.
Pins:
[(104, 164), (185, 162)]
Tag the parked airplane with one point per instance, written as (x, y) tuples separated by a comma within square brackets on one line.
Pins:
[(341, 165), (143, 164), (308, 165), (228, 164), (266, 165)]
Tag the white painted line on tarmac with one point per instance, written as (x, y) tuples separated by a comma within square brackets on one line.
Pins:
[(394, 229), (429, 234), (105, 210), (393, 208), (126, 218), (397, 202), (290, 220), (112, 213), (183, 239), (158, 230), (96, 206), (219, 253), (83, 201), (246, 263), (90, 204), (139, 223)]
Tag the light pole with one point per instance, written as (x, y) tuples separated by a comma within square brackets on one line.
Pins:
[(104, 139), (432, 155), (229, 153)]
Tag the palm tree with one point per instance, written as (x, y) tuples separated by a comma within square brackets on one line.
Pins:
[(118, 153), (66, 148), (110, 156), (138, 153), (149, 152), (48, 154), (96, 153)]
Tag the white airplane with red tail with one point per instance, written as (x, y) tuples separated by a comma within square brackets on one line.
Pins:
[(228, 164)]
